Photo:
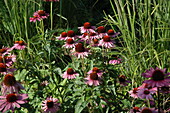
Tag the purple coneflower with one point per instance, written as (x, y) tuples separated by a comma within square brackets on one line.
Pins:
[(62, 36), (12, 100), (112, 33), (69, 43), (158, 77), (133, 92), (97, 71), (145, 93), (35, 18), (80, 51), (5, 51), (93, 79), (87, 28), (107, 42), (148, 110), (101, 31), (115, 61), (95, 43), (123, 81), (8, 60), (41, 14), (93, 35), (19, 45), (50, 105), (71, 34), (70, 74), (5, 70), (10, 85)]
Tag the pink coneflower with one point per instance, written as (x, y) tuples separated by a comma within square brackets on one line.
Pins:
[(70, 74), (101, 31), (41, 14), (10, 85), (145, 93), (35, 18), (69, 43), (80, 51), (4, 69), (87, 28), (19, 45), (158, 77), (115, 61), (93, 79), (50, 105), (71, 34), (8, 60), (112, 33), (123, 81), (107, 42), (62, 36), (12, 100), (5, 51), (133, 92), (97, 70), (148, 110), (95, 43), (93, 35)]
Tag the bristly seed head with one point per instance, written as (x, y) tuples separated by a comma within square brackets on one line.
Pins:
[(70, 33), (41, 13), (110, 32), (122, 78), (106, 39), (2, 67), (3, 50), (50, 103), (93, 76), (79, 47), (70, 71), (158, 75), (135, 109), (9, 80), (95, 69), (95, 41), (70, 41), (135, 90), (146, 110), (87, 25), (101, 29), (63, 34), (11, 97), (92, 34)]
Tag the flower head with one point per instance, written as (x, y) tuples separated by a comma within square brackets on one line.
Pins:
[(97, 71), (135, 110), (115, 61), (112, 33), (123, 81), (10, 85), (107, 42), (101, 31), (69, 43), (80, 51), (133, 92), (19, 45), (70, 74), (93, 79), (158, 77), (12, 100), (39, 15), (50, 105), (62, 36), (145, 93), (87, 28)]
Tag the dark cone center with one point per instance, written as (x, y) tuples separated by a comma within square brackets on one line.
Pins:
[(135, 90), (70, 33), (110, 32), (101, 29), (50, 104), (64, 34), (122, 78), (9, 80), (106, 39), (70, 71), (2, 67), (79, 47), (11, 97), (87, 25), (93, 76), (158, 75), (70, 41), (146, 110), (95, 41)]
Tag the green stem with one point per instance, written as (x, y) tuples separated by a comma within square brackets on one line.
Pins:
[(51, 14)]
